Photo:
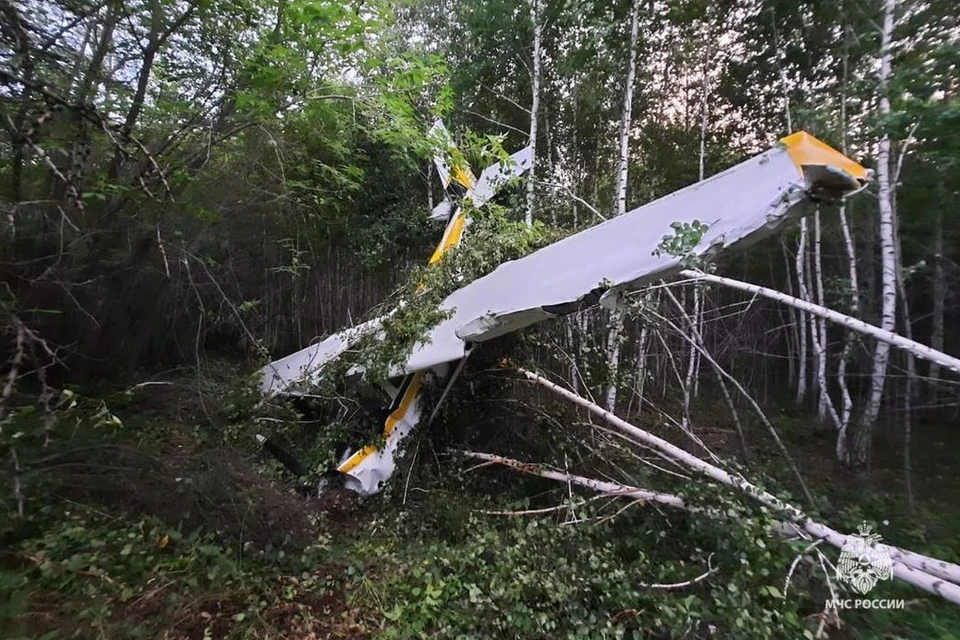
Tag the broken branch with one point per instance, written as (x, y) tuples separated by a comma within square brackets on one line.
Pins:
[(932, 575), (601, 486), (911, 346)]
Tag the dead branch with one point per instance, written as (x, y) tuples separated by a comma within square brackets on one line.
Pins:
[(607, 488)]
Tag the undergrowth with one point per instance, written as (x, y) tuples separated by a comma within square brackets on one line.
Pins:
[(217, 542)]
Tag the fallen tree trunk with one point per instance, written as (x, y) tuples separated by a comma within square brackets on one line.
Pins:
[(919, 350), (921, 579), (932, 575), (600, 486)]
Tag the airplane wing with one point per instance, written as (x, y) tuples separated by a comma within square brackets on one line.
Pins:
[(458, 177), (303, 367), (740, 205), (494, 176)]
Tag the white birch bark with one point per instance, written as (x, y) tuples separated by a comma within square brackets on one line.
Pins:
[(641, 364), (806, 290), (921, 571), (860, 450), (827, 408), (693, 354), (931, 574), (614, 342), (623, 169), (600, 486), (623, 160), (534, 107), (921, 351), (846, 410), (793, 337), (693, 376), (577, 164), (848, 341), (802, 319)]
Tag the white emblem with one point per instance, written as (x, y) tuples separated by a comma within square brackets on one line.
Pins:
[(862, 563)]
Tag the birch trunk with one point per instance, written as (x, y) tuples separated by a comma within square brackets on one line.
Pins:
[(848, 340), (693, 375), (906, 564), (693, 354), (600, 486), (846, 410), (827, 408), (807, 290), (931, 574), (802, 319), (859, 452), (534, 107), (793, 326), (577, 171), (623, 169), (641, 365), (890, 338), (624, 157), (614, 342)]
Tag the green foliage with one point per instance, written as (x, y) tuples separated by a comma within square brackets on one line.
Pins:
[(415, 308), (686, 237), (535, 576), (133, 577)]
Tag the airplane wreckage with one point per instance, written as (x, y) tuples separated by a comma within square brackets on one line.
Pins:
[(598, 265)]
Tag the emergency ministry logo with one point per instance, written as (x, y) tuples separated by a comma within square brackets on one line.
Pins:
[(862, 563)]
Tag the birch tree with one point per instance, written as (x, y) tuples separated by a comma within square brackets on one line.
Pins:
[(623, 169), (534, 107), (850, 252), (623, 160), (859, 452)]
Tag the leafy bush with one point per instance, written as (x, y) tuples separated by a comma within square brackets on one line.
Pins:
[(537, 577)]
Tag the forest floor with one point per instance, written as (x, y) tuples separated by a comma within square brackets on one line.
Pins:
[(170, 527)]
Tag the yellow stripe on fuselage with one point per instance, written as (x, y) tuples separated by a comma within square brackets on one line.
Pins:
[(357, 458), (451, 238), (413, 389)]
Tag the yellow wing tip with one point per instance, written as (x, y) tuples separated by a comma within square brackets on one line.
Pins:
[(806, 149)]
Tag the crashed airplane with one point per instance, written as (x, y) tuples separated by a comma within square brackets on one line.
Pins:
[(736, 207)]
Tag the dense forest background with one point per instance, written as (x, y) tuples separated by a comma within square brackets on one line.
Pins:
[(190, 188)]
